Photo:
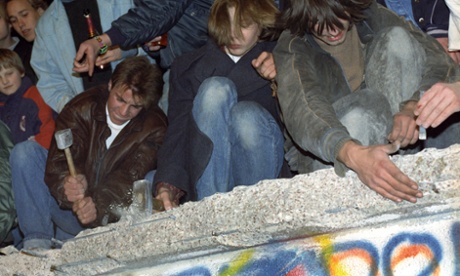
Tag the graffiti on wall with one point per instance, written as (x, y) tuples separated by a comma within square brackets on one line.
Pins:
[(421, 253)]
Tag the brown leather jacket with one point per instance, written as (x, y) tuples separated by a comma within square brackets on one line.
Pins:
[(110, 172)]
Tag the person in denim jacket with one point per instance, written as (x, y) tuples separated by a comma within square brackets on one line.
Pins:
[(54, 50), (185, 25), (430, 16), (349, 77)]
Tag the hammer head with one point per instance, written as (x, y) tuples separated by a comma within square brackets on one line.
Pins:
[(63, 138)]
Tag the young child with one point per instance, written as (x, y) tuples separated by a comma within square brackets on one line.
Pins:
[(224, 126), (22, 108)]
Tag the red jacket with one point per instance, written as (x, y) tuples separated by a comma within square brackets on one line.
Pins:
[(27, 115)]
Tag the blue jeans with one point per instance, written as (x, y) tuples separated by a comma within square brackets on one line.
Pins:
[(247, 141), (402, 8), (393, 70), (39, 216)]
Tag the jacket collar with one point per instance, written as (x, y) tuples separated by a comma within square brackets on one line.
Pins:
[(101, 116), (220, 64)]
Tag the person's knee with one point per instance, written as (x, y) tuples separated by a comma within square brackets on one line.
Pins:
[(366, 125), (399, 42), (215, 92), (250, 121), (22, 152)]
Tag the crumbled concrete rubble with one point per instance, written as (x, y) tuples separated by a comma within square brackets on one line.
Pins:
[(270, 211)]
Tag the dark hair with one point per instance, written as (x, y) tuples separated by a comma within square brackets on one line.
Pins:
[(36, 4), (261, 12), (3, 10), (301, 16), (10, 59), (142, 77)]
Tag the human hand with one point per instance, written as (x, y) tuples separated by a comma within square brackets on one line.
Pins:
[(153, 45), (87, 53), (265, 65), (444, 41), (437, 104), (112, 54), (375, 169), (85, 209), (75, 187), (166, 195), (404, 131)]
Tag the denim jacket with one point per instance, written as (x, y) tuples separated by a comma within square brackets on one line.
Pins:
[(430, 16), (186, 23), (310, 80), (53, 51)]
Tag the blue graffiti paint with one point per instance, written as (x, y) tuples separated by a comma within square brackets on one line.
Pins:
[(278, 261), (425, 239), (195, 271), (455, 234), (366, 246)]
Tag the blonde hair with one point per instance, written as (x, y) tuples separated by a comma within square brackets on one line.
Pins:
[(261, 12), (10, 59)]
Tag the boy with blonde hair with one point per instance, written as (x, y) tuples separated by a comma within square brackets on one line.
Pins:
[(22, 108), (224, 124)]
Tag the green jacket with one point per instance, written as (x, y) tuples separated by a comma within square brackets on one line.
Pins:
[(7, 210), (310, 80)]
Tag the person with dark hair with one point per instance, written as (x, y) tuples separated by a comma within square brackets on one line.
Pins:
[(117, 130), (224, 127), (59, 32), (349, 76), (24, 15), (183, 24)]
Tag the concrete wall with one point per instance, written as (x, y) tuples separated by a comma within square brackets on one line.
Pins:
[(316, 224), (423, 246)]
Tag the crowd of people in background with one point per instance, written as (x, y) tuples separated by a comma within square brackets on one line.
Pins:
[(241, 91)]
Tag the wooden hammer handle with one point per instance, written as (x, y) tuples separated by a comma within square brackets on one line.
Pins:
[(68, 155)]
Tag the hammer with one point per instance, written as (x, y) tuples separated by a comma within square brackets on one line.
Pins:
[(64, 141)]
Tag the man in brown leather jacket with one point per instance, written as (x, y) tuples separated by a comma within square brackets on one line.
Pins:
[(117, 130)]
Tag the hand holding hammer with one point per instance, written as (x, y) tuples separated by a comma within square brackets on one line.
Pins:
[(64, 141)]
